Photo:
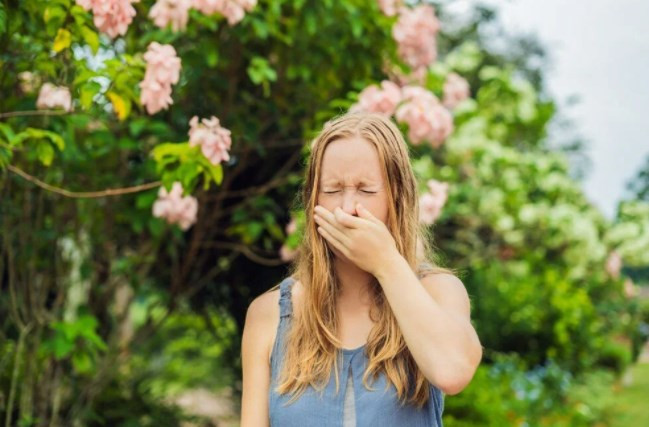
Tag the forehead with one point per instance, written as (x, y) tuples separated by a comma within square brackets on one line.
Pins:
[(351, 159)]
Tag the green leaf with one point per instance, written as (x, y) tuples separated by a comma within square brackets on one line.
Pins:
[(91, 37), (33, 133), (45, 153), (121, 105), (3, 19), (82, 362), (88, 92), (62, 40), (213, 172)]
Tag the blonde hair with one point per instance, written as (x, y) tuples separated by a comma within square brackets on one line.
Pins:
[(311, 342)]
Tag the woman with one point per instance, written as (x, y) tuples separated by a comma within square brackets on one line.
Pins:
[(363, 331)]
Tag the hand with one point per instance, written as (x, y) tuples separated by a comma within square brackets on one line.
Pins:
[(364, 240)]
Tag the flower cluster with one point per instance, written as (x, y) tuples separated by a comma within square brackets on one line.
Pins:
[(162, 70), (614, 264), (390, 7), (379, 100), (233, 10), (110, 16), (51, 96), (175, 208), (174, 12), (286, 253), (432, 202), (214, 140), (415, 33), (456, 90), (426, 117)]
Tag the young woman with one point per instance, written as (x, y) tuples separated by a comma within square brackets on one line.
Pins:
[(365, 331)]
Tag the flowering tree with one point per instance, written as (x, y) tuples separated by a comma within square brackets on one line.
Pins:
[(151, 155)]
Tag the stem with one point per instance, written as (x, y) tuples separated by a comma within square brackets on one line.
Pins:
[(14, 376)]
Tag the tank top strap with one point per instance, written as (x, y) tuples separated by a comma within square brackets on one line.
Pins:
[(285, 305)]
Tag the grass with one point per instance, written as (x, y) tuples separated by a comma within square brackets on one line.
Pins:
[(630, 403)]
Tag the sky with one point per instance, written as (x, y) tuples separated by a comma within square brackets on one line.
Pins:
[(599, 51)]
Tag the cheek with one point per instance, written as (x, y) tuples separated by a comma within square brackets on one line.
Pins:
[(378, 208)]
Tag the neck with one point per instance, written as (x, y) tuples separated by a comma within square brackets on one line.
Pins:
[(354, 282)]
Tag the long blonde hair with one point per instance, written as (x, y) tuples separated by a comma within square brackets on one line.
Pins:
[(311, 343)]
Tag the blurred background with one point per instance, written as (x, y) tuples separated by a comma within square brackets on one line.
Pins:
[(151, 154)]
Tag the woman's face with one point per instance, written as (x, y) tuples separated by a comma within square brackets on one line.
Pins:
[(351, 174)]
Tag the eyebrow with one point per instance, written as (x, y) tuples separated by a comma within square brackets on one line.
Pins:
[(363, 181)]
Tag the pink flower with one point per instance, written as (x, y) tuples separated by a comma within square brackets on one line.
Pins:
[(175, 12), (51, 96), (213, 139), (630, 289), (432, 202), (175, 208), (110, 16), (456, 90), (614, 264), (233, 10), (154, 96), (379, 100), (162, 70), (287, 254), (426, 118), (389, 7), (162, 63), (419, 94), (291, 227), (28, 81), (415, 33)]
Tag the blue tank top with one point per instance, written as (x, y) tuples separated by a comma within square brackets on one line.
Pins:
[(376, 408)]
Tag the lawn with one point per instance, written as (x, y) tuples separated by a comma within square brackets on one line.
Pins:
[(630, 402)]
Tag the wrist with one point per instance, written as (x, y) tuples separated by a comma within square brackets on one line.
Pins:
[(391, 266)]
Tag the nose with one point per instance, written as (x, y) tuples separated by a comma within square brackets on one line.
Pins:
[(349, 202)]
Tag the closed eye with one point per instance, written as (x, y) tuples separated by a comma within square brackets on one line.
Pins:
[(338, 191)]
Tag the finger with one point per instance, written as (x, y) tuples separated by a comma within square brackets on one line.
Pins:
[(366, 214), (333, 241), (331, 217), (349, 221), (332, 228)]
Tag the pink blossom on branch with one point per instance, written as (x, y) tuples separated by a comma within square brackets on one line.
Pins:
[(426, 118), (379, 100), (456, 90), (111, 17), (162, 70), (51, 96), (175, 208), (214, 140), (174, 12), (432, 202), (415, 33), (389, 7), (232, 10), (286, 253), (614, 264), (291, 227)]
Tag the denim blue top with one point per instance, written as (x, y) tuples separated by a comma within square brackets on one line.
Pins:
[(376, 408)]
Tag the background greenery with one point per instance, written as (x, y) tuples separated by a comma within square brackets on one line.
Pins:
[(108, 314)]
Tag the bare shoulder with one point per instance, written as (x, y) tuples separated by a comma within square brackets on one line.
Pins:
[(448, 290), (262, 319), (262, 313)]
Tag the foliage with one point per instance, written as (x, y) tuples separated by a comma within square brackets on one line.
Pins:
[(107, 304)]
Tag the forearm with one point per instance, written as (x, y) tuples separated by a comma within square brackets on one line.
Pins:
[(443, 344)]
